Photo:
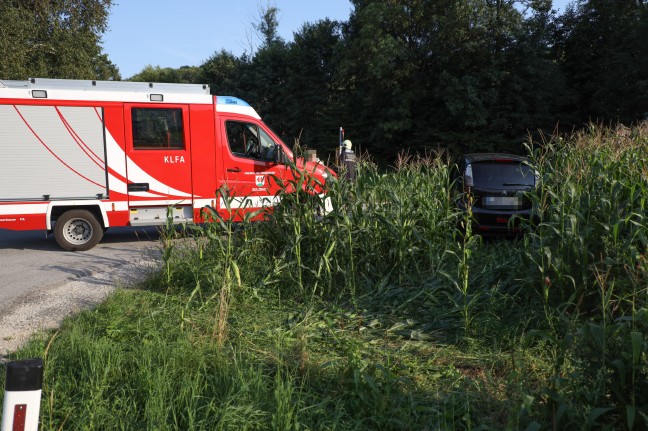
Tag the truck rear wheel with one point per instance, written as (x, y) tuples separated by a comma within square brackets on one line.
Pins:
[(77, 230)]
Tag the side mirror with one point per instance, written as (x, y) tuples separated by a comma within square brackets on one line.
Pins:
[(279, 156)]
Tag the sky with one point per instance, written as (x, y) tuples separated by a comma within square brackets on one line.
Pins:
[(175, 33)]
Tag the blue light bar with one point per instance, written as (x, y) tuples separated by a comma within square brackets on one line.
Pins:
[(229, 100)]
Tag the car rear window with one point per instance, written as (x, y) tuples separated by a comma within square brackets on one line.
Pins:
[(493, 174)]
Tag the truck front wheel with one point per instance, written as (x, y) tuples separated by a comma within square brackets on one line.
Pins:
[(77, 230)]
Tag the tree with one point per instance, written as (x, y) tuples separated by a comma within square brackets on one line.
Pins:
[(54, 39), (381, 72), (267, 25), (469, 75), (222, 72), (602, 44), (263, 76), (182, 75), (312, 96)]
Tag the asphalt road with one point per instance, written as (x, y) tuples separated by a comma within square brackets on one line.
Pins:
[(30, 262)]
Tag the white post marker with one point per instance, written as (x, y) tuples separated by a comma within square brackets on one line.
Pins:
[(23, 388)]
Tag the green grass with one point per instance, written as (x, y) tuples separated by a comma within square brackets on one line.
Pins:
[(382, 315)]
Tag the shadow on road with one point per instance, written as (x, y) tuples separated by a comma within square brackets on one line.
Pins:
[(38, 240)]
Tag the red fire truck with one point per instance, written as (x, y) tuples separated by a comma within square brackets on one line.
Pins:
[(78, 157)]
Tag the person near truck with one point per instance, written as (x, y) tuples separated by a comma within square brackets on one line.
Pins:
[(348, 161)]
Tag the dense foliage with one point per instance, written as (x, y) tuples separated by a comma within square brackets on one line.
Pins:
[(428, 74), (54, 39), (383, 314)]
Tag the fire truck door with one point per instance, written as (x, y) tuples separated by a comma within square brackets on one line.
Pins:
[(252, 176), (158, 157)]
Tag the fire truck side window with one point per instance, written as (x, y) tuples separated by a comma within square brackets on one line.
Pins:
[(248, 140), (158, 128)]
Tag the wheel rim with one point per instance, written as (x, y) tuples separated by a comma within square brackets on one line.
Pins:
[(77, 231)]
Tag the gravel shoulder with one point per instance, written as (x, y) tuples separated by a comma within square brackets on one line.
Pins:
[(45, 308)]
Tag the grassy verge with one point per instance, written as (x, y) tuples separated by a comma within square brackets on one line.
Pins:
[(382, 315)]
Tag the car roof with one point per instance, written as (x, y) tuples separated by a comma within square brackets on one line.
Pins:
[(480, 157)]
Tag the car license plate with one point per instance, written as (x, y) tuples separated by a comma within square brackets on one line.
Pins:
[(502, 201)]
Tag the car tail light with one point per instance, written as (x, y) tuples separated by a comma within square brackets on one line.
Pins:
[(469, 176)]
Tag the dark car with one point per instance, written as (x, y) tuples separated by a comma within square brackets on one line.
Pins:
[(496, 186)]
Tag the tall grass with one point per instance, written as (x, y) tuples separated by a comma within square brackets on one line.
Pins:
[(382, 314), (590, 250), (594, 208)]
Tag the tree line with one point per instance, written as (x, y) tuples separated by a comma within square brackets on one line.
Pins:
[(415, 75)]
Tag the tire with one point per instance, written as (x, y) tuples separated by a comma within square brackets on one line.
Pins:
[(77, 230)]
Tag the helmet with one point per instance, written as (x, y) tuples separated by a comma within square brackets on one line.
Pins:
[(347, 144)]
